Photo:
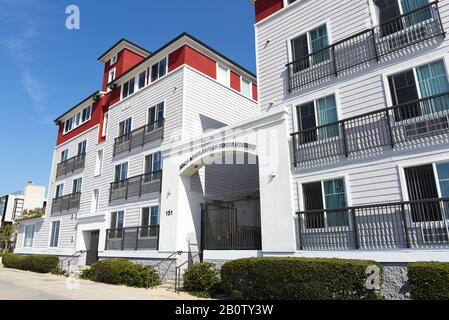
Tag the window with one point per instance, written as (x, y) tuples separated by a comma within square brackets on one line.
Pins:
[(77, 185), (158, 70), (124, 127), (3, 202), (307, 49), (150, 217), (156, 113), (117, 223), (290, 2), (18, 208), (87, 114), (29, 236), (68, 125), (54, 234), (153, 162), (105, 125), (321, 112), (59, 191), (325, 195), (82, 147), (128, 88), (418, 83), (99, 163), (246, 88), (142, 79), (65, 155), (111, 76), (113, 59), (95, 200), (222, 75), (121, 172), (78, 119), (388, 10)]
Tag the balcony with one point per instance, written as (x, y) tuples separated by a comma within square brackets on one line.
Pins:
[(393, 126), (71, 165), (133, 239), (66, 203), (399, 33), (136, 187), (414, 224), (139, 137)]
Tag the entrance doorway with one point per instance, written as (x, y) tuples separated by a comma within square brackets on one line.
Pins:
[(92, 253)]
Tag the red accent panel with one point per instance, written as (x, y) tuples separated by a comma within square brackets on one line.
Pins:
[(235, 81), (255, 97), (126, 59), (191, 57), (265, 8)]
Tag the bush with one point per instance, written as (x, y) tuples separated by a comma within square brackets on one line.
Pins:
[(202, 280), (429, 280), (122, 272), (39, 264), (298, 279)]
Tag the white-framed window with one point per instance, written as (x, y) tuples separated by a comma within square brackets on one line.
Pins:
[(82, 147), (95, 200), (29, 236), (99, 163), (153, 162), (142, 80), (113, 59), (125, 127), (318, 113), (325, 195), (54, 234), (64, 155), (121, 172), (223, 75), (78, 119), (156, 113), (422, 82), (77, 185), (105, 125), (59, 191), (246, 88), (111, 76), (150, 216), (308, 49), (128, 88), (159, 69)]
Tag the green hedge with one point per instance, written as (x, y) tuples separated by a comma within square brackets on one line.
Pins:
[(37, 263), (429, 280), (122, 272), (202, 280), (297, 279)]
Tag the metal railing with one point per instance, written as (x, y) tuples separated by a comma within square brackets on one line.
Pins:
[(401, 32), (413, 224), (387, 127), (178, 272), (71, 165), (133, 239), (136, 186), (170, 258), (139, 137), (66, 203)]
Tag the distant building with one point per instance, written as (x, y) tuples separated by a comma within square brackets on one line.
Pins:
[(13, 204)]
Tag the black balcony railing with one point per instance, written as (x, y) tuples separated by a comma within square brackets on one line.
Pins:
[(137, 238), (136, 186), (391, 126), (71, 165), (139, 137), (372, 44), (66, 203), (414, 224)]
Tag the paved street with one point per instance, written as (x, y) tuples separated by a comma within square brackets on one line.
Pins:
[(21, 285)]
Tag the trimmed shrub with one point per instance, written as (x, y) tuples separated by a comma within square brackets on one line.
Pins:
[(202, 280), (298, 279), (122, 272), (39, 264), (429, 280)]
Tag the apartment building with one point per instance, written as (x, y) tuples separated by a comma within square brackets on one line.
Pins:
[(339, 150), (112, 171), (12, 205), (365, 85)]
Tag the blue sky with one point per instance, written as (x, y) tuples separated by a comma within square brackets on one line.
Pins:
[(46, 69)]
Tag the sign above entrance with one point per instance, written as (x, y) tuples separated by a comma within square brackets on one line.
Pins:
[(233, 146)]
